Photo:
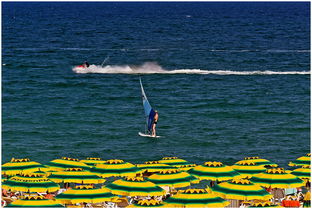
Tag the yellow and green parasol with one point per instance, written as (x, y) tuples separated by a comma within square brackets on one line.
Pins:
[(214, 171), (304, 160), (66, 162), (115, 168), (258, 161), (76, 175), (173, 178), (19, 166), (266, 204), (303, 173), (135, 186), (34, 202), (195, 198), (240, 189), (247, 169), (92, 161), (147, 204), (85, 193), (30, 183), (154, 166), (177, 162), (277, 178)]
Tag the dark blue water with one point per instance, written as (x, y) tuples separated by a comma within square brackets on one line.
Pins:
[(258, 106)]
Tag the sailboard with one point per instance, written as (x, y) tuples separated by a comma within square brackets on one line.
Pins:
[(149, 113)]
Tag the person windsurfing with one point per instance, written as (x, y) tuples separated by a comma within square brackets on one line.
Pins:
[(155, 120)]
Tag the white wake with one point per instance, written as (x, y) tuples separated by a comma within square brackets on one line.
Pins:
[(154, 68)]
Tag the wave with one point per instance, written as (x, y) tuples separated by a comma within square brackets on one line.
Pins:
[(154, 68)]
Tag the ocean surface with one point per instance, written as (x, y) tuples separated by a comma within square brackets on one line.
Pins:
[(229, 80)]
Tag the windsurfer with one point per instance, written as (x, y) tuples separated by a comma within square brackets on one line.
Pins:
[(154, 124)]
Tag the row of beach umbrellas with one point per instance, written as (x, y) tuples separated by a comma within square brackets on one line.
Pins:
[(171, 171)]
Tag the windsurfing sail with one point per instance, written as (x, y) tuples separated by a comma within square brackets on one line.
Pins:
[(148, 111)]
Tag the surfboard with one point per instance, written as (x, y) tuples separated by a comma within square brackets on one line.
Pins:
[(147, 135)]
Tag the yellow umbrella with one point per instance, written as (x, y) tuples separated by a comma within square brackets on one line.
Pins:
[(258, 161), (277, 178), (147, 204), (303, 173), (30, 183), (214, 171), (76, 175), (115, 168), (247, 169), (240, 189), (66, 162), (304, 160), (154, 166), (173, 178), (85, 193), (195, 198), (177, 162), (19, 166), (135, 186), (92, 161)]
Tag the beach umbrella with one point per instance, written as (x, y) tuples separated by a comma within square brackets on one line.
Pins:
[(277, 178), (258, 161), (85, 193), (173, 178), (66, 162), (177, 162), (76, 175), (18, 166), (147, 204), (115, 168), (135, 186), (304, 160), (247, 169), (195, 198), (240, 189), (303, 173), (214, 171), (34, 202), (92, 161), (30, 183), (154, 166), (266, 204)]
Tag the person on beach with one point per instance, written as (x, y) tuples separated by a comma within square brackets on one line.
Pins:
[(154, 124)]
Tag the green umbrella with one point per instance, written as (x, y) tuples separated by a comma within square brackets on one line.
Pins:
[(195, 198), (258, 161), (173, 178), (34, 202), (85, 193), (214, 171), (240, 189), (65, 162), (19, 166), (76, 175), (135, 186), (304, 160), (154, 166), (277, 178), (30, 183), (247, 169), (147, 204), (303, 173), (115, 168), (177, 162), (92, 161)]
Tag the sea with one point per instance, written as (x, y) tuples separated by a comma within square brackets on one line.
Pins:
[(229, 80)]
